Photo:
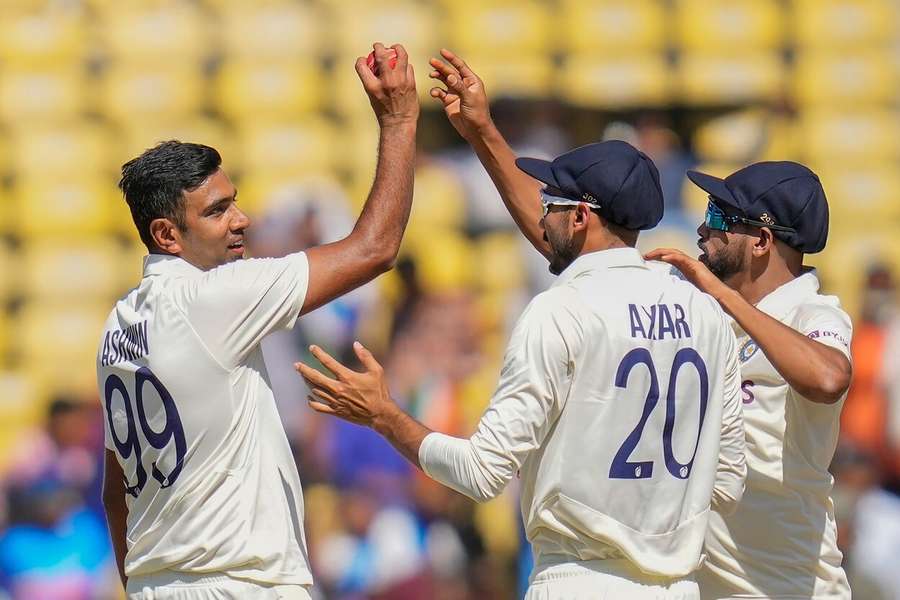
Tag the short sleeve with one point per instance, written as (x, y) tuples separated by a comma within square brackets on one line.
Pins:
[(233, 307), (828, 325)]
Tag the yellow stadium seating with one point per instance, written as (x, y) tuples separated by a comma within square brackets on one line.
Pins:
[(77, 149), (262, 192), (246, 90), (47, 95), (832, 24), (845, 79), (851, 135), (501, 265), (633, 80), (357, 150), (734, 137), (357, 25), (18, 400), (751, 25), (693, 198), (291, 147), (862, 195), (439, 201), (129, 93), (272, 31), (43, 38), (65, 206), (64, 270), (155, 33), (522, 76), (612, 27), (10, 280), (502, 29), (444, 260), (728, 79)]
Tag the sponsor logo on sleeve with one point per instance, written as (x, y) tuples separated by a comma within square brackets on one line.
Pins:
[(825, 333)]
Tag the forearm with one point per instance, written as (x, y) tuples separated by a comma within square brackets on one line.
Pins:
[(116, 516), (384, 216), (402, 431), (818, 372), (520, 192)]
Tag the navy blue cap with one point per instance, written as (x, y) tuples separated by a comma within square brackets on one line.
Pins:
[(614, 176), (781, 193)]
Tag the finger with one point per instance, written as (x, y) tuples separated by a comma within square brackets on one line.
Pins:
[(329, 362), (411, 76), (442, 68), (366, 358), (324, 396), (402, 56), (657, 253), (368, 78), (438, 93), (458, 63), (314, 378), (319, 407)]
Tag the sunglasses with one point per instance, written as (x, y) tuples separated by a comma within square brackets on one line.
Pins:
[(549, 199), (717, 219)]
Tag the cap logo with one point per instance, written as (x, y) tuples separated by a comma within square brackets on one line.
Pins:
[(588, 198), (765, 218)]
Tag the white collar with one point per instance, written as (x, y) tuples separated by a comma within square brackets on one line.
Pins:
[(601, 259), (168, 264), (780, 301)]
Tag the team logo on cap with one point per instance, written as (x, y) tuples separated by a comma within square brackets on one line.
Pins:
[(765, 218), (588, 198), (747, 350)]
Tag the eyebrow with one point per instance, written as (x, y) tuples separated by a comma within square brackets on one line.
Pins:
[(215, 205)]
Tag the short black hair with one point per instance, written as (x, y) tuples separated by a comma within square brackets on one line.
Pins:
[(154, 183)]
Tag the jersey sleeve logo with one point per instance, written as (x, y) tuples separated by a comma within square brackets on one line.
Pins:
[(747, 350)]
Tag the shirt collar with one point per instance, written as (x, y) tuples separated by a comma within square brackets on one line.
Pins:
[(601, 259), (167, 264), (780, 301)]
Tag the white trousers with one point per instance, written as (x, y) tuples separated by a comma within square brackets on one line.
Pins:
[(605, 580), (182, 586)]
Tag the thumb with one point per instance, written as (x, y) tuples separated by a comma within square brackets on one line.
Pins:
[(366, 358)]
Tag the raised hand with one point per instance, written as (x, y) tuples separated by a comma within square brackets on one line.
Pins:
[(358, 397), (392, 92), (463, 98), (693, 270)]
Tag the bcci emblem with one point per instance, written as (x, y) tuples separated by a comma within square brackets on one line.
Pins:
[(747, 351)]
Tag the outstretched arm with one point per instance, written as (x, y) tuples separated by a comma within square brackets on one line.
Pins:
[(818, 372), (371, 248), (466, 106)]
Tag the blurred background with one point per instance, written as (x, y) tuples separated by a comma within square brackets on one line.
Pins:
[(714, 84)]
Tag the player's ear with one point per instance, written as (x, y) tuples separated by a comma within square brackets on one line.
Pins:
[(582, 215), (166, 235), (764, 242)]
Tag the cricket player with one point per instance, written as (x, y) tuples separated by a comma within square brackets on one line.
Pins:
[(201, 490), (618, 402), (794, 349)]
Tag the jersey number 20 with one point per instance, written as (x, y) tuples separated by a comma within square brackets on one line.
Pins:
[(621, 468), (158, 439)]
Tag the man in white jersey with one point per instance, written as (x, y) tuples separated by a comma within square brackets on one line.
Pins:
[(201, 490), (794, 348), (618, 401)]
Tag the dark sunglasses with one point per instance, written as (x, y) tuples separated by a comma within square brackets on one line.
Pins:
[(717, 219)]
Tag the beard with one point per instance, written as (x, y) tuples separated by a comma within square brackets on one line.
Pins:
[(563, 250), (724, 264)]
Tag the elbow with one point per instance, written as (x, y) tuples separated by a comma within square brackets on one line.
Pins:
[(381, 259), (832, 386)]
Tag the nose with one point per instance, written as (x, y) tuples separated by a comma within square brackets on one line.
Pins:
[(240, 221), (703, 231)]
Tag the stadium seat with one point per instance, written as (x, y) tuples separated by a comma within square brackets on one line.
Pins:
[(78, 149), (861, 195), (290, 147), (850, 136), (65, 270), (695, 199), (732, 137), (501, 267), (272, 31), (43, 95), (502, 29), (850, 24), (732, 25), (45, 38), (612, 28), (845, 79), (64, 206), (615, 82), (19, 405), (264, 193), (246, 90), (357, 25), (705, 78), (444, 261), (173, 33), (129, 93), (439, 202), (522, 76), (10, 282), (357, 150)]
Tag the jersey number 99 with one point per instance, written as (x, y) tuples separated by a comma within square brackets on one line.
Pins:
[(131, 445), (621, 468)]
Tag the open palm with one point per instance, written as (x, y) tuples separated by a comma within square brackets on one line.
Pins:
[(464, 99)]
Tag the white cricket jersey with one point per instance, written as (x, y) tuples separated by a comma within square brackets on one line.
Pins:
[(212, 486), (781, 541), (619, 401)]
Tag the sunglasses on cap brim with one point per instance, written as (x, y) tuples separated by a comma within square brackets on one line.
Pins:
[(717, 219), (550, 198)]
